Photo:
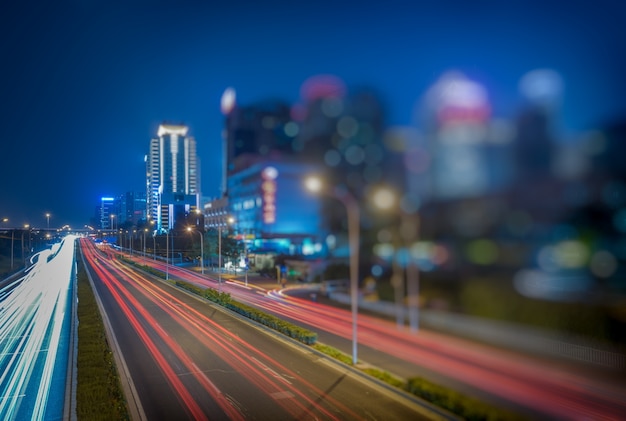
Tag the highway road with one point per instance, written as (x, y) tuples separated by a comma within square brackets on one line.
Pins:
[(188, 359), (36, 337), (539, 388)]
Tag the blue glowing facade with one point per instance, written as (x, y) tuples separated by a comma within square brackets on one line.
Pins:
[(172, 176), (274, 213), (107, 213)]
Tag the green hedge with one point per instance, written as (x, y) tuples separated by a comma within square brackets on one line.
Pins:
[(224, 299), (99, 394), (146, 268), (286, 328), (442, 397), (468, 408), (450, 400)]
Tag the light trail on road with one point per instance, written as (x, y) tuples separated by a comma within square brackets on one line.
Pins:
[(34, 334), (543, 388), (285, 392), (546, 390)]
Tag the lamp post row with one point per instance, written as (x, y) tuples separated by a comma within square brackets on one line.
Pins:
[(384, 199)]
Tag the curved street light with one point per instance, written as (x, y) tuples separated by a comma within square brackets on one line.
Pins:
[(167, 254), (229, 220), (387, 199), (26, 227), (201, 248), (315, 185)]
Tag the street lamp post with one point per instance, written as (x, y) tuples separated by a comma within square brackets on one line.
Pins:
[(201, 248), (409, 232), (245, 253), (48, 219), (412, 229), (219, 253), (153, 240), (145, 230), (5, 221), (353, 213), (12, 240), (229, 220), (26, 226), (167, 254)]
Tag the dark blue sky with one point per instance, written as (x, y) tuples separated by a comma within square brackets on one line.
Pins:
[(84, 84)]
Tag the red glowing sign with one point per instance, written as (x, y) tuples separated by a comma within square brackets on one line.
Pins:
[(268, 188)]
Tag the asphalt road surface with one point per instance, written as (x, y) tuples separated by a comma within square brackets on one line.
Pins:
[(191, 360)]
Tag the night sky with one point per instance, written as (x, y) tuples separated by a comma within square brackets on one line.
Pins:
[(85, 83)]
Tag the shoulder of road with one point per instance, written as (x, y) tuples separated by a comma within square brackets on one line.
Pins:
[(559, 348)]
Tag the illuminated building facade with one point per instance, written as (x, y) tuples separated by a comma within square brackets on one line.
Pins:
[(257, 133), (172, 176), (271, 148), (262, 186), (107, 213), (468, 151), (273, 212), (216, 213), (132, 207)]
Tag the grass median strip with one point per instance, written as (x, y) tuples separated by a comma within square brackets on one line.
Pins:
[(99, 394), (464, 406)]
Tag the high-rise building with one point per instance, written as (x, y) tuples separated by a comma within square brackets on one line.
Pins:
[(262, 187), (107, 213), (172, 176), (466, 151), (271, 147), (272, 210), (256, 133), (132, 207)]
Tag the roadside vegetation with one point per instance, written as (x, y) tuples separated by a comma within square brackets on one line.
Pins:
[(492, 298), (224, 299), (458, 404), (99, 394), (465, 407)]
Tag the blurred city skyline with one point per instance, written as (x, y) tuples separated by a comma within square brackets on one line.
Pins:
[(88, 84)]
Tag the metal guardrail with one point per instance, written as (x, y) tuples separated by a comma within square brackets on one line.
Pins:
[(508, 335), (588, 354)]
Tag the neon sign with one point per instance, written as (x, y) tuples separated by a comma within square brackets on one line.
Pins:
[(268, 188)]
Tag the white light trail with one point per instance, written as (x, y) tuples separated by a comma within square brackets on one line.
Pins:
[(32, 312)]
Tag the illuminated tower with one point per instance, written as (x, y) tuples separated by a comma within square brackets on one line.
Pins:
[(253, 134), (535, 143), (107, 212), (459, 138), (173, 176)]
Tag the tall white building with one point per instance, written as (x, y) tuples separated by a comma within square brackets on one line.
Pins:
[(107, 213), (466, 152), (172, 176)]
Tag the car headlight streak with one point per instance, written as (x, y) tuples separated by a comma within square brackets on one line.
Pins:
[(32, 312)]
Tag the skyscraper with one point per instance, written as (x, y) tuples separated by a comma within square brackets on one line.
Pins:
[(132, 207), (172, 176), (107, 213), (256, 133)]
